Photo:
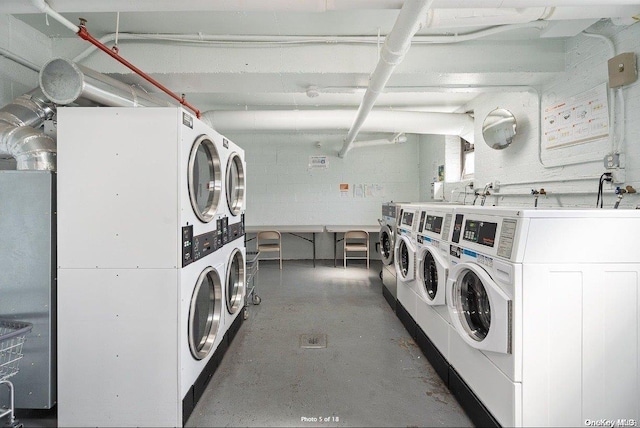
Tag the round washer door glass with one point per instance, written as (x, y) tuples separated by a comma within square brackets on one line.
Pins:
[(235, 281), (403, 254), (204, 178), (235, 184), (386, 243), (430, 275), (204, 313), (473, 305)]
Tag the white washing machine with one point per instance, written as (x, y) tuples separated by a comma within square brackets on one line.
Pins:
[(235, 286), (544, 306), (404, 262), (387, 236), (432, 271), (131, 250)]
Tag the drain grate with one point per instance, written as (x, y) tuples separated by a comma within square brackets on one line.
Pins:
[(313, 341)]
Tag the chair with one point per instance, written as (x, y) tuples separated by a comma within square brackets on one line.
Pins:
[(356, 241), (269, 241)]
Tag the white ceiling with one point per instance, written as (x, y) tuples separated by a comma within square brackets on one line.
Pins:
[(234, 75)]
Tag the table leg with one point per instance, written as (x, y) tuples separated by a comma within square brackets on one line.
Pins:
[(314, 248), (335, 247)]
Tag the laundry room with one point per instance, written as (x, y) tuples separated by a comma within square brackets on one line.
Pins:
[(313, 213)]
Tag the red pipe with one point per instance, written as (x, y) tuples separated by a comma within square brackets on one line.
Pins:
[(84, 34)]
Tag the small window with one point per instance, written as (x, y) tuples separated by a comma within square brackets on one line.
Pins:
[(467, 159)]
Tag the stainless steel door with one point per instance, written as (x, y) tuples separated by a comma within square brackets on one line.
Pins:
[(204, 179), (204, 313), (235, 184)]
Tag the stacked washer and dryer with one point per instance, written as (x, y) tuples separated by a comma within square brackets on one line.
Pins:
[(387, 236), (147, 220)]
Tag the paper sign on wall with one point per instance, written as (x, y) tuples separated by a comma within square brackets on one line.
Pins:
[(579, 119), (318, 162)]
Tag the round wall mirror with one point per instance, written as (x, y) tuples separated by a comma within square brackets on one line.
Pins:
[(499, 128)]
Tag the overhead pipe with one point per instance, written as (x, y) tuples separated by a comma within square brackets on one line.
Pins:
[(84, 34), (397, 43), (396, 139), (20, 137), (391, 121), (65, 82)]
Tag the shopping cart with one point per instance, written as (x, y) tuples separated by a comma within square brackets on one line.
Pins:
[(12, 335), (252, 269)]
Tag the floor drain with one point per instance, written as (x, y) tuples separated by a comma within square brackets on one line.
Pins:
[(313, 341)]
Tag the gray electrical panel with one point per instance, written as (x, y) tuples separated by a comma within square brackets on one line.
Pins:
[(28, 278)]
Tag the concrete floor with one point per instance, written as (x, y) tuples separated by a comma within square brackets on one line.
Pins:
[(370, 374)]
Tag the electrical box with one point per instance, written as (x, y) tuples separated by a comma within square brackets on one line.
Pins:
[(622, 70)]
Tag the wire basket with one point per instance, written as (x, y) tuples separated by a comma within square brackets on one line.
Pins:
[(12, 335)]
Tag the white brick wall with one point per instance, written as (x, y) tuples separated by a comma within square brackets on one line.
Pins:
[(518, 168), (282, 190)]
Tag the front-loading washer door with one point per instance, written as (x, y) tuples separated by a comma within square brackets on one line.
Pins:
[(235, 281), (405, 255), (386, 244), (204, 313), (480, 311), (432, 272), (235, 184), (204, 178)]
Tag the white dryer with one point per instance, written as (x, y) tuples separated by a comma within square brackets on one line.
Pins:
[(233, 205), (404, 261), (201, 326), (432, 271), (202, 177), (544, 306), (159, 175), (235, 286)]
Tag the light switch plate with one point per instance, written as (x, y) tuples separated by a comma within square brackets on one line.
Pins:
[(622, 69)]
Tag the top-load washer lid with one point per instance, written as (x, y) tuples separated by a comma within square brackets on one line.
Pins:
[(204, 178), (386, 244), (432, 274), (204, 313), (235, 281), (480, 310), (235, 184)]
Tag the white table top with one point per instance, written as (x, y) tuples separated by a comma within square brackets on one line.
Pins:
[(305, 228), (345, 228)]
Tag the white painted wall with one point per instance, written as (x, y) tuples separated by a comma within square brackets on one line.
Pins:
[(283, 190), (15, 79), (518, 168)]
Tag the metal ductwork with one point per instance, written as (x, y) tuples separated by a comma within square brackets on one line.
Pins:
[(65, 82), (20, 137)]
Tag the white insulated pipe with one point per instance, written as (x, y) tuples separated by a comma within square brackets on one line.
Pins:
[(411, 17), (392, 121), (396, 139), (45, 8)]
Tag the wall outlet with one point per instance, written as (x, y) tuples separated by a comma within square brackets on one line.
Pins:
[(612, 160), (622, 69)]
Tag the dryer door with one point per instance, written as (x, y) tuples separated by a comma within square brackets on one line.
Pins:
[(235, 184), (480, 311), (235, 281), (405, 254), (386, 244), (204, 178), (432, 272), (204, 313)]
